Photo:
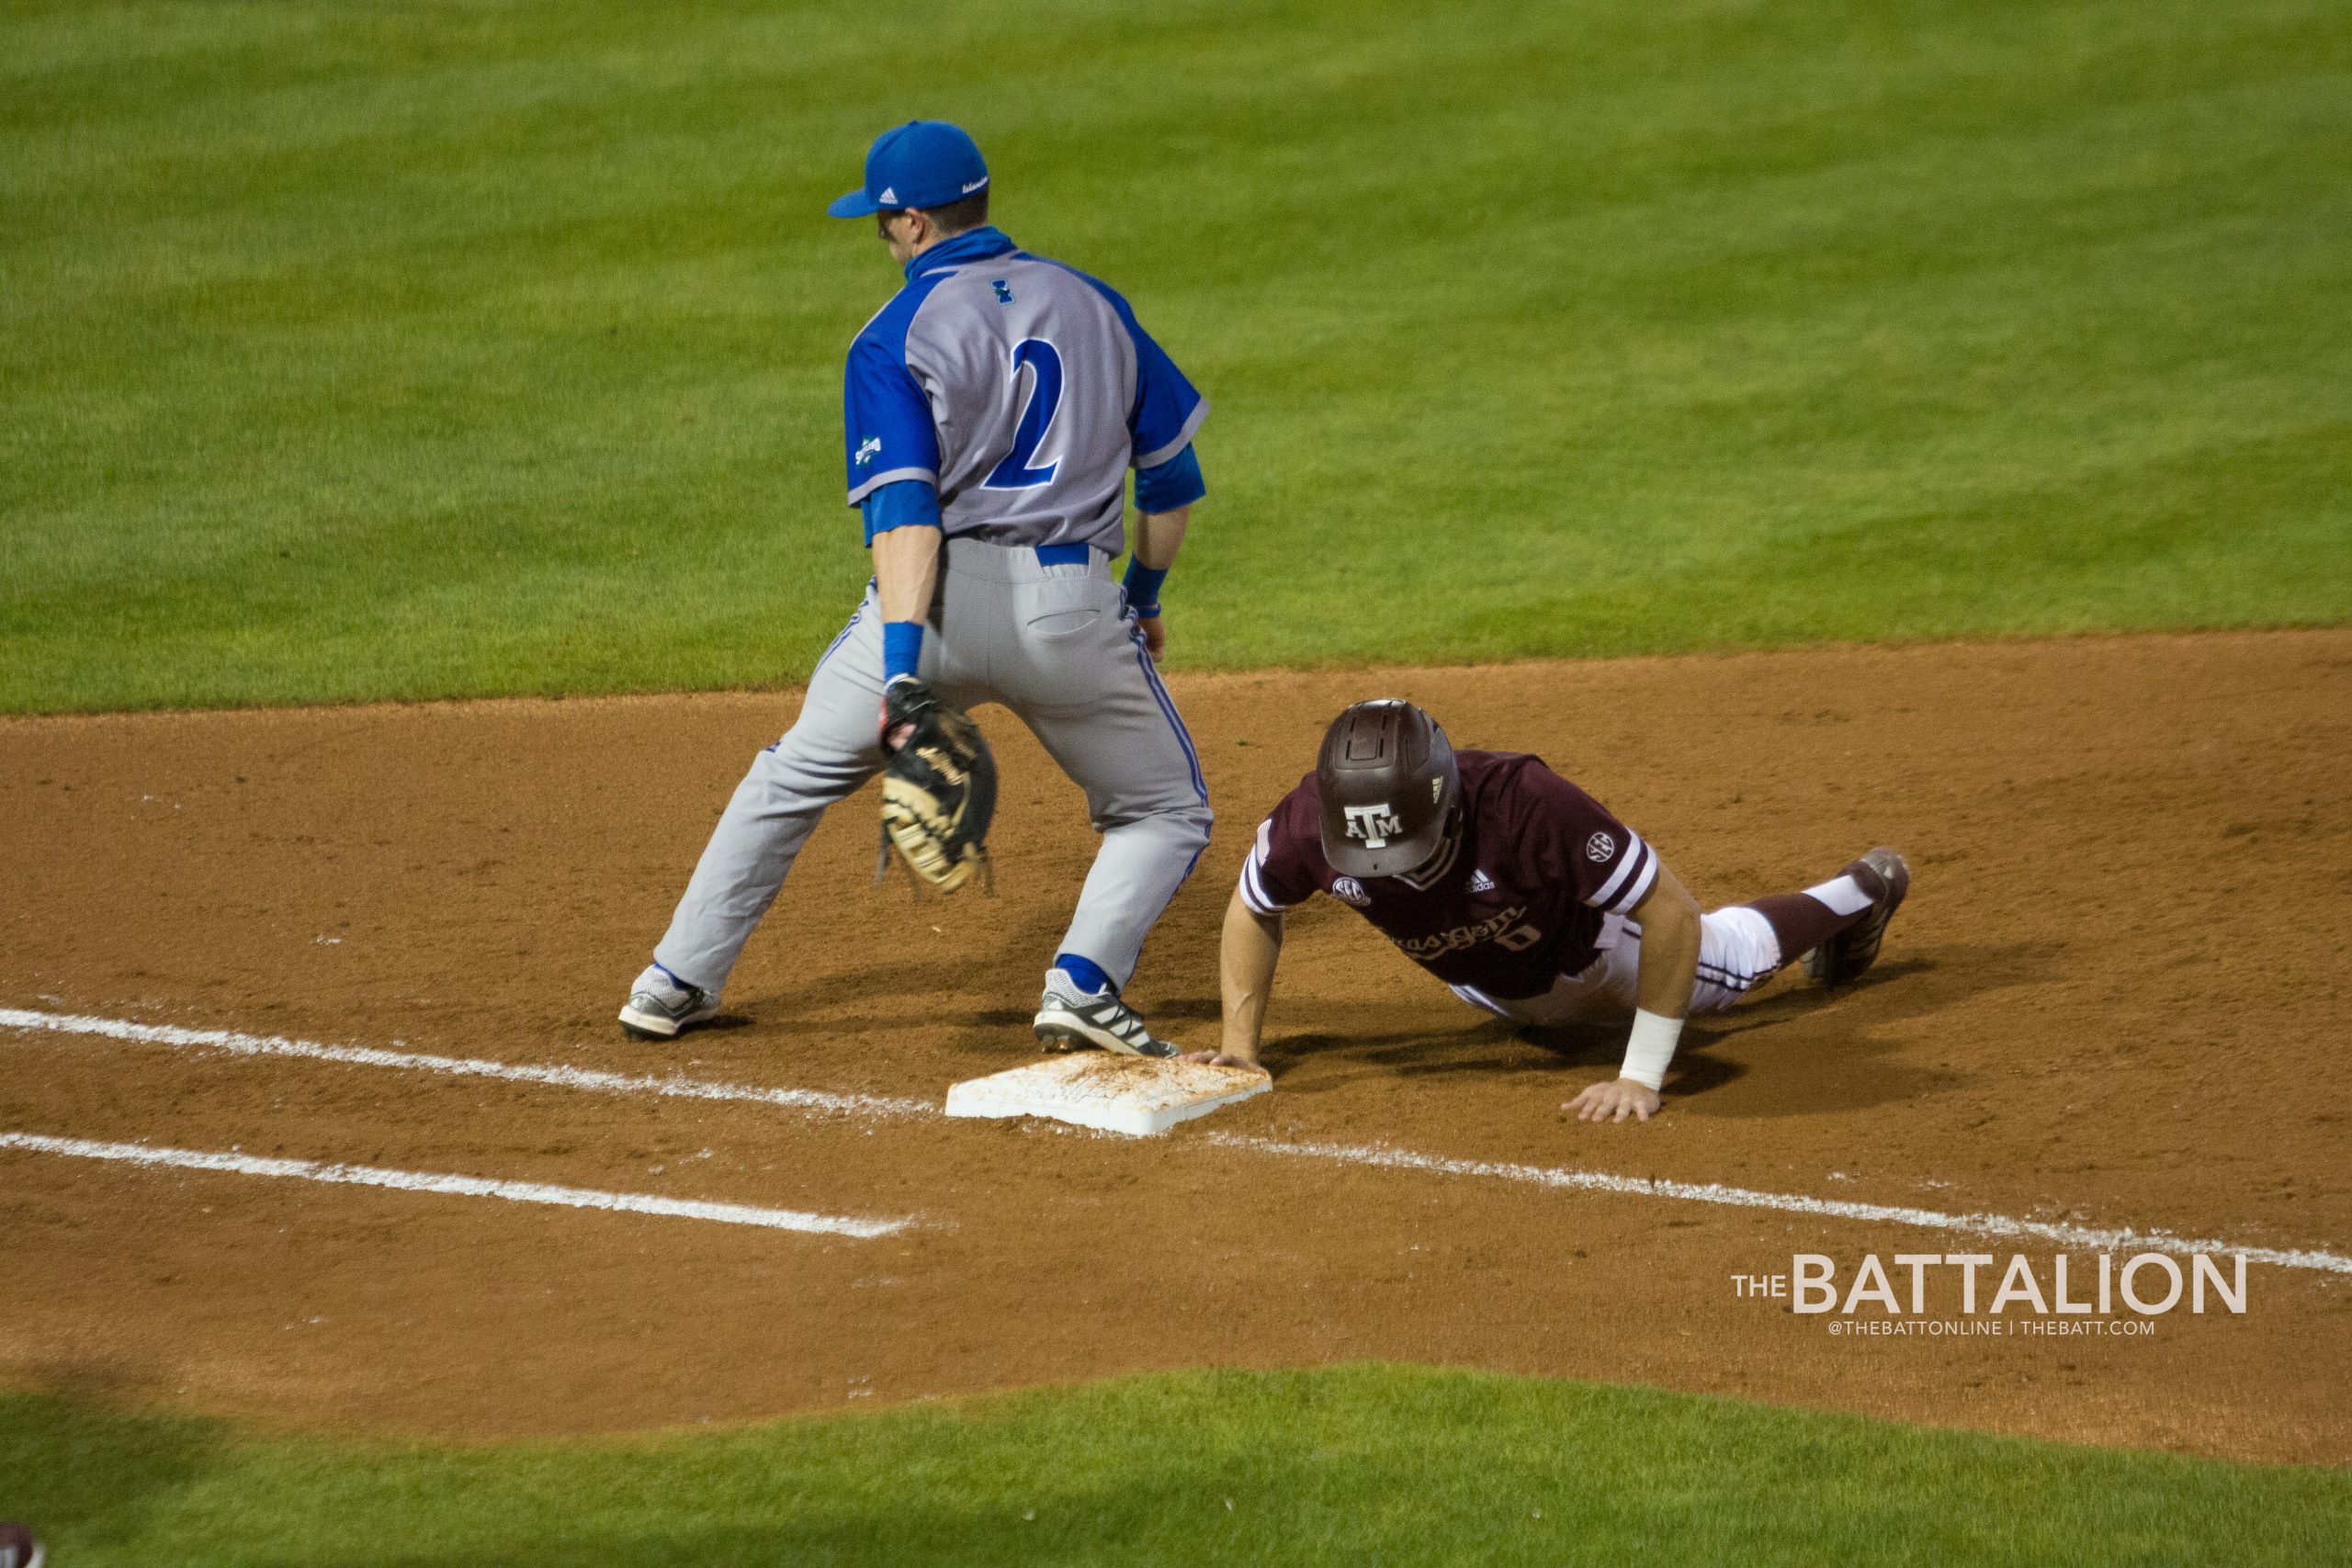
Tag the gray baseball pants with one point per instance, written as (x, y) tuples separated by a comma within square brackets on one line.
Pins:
[(1047, 637)]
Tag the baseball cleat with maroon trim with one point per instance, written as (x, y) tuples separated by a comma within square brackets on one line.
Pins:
[(1848, 956)]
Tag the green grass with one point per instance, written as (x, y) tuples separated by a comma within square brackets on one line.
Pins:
[(412, 350), (1351, 1465)]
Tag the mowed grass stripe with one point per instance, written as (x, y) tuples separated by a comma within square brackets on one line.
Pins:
[(357, 353), (1345, 1465)]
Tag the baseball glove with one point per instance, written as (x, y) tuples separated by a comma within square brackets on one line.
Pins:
[(938, 788)]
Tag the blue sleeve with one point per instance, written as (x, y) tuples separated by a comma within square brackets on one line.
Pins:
[(1166, 486), (1167, 408), (901, 503), (886, 421)]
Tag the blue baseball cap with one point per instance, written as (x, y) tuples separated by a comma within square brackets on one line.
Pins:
[(924, 163)]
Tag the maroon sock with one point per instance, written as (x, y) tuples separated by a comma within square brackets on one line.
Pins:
[(1803, 922)]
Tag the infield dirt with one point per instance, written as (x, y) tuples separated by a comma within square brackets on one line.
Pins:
[(2116, 996)]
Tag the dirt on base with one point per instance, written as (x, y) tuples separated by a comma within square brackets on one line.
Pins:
[(2116, 998)]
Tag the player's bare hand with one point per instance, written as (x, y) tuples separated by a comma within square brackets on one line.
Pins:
[(1155, 635), (892, 735), (1614, 1101), (1222, 1059)]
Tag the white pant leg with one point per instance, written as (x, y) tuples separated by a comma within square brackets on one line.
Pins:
[(1053, 645), (1738, 952), (1070, 663), (831, 751)]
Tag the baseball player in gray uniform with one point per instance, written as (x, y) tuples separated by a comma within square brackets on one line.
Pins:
[(991, 412)]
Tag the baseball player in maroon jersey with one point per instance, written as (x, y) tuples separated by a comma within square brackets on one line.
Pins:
[(1526, 897)]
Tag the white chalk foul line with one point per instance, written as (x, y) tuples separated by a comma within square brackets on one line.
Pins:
[(457, 1186), (2088, 1238), (676, 1086)]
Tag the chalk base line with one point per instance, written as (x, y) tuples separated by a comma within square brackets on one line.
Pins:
[(456, 1185), (2088, 1238)]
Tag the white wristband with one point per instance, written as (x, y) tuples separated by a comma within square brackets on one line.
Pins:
[(1651, 1048)]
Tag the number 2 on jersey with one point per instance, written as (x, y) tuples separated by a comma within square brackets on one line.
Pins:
[(1045, 366)]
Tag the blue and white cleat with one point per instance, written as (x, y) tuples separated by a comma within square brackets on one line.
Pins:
[(660, 1006), (1073, 1019)]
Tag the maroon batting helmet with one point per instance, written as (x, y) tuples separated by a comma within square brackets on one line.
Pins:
[(1389, 788)]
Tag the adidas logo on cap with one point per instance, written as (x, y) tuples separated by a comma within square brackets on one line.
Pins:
[(889, 198)]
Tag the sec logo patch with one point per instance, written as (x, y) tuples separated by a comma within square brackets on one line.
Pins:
[(1599, 847), (1348, 890)]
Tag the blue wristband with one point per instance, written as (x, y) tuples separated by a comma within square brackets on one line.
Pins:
[(1142, 586), (901, 649)]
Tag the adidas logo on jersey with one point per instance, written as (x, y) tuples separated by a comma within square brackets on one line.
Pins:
[(1481, 882)]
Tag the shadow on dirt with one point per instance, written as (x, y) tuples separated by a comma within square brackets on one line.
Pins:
[(1818, 1050), (1800, 1049)]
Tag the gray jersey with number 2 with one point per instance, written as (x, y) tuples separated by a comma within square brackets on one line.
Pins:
[(1022, 389)]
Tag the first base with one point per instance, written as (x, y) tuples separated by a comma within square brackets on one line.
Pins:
[(1117, 1094)]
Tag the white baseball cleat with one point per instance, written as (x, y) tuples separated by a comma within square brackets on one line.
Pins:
[(1074, 1018), (659, 1006)]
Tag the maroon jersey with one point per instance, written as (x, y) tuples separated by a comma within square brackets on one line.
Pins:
[(1537, 865)]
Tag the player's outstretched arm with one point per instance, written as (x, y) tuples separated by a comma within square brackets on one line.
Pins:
[(1251, 945), (1668, 916)]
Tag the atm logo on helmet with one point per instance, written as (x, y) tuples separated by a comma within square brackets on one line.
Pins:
[(1375, 825)]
